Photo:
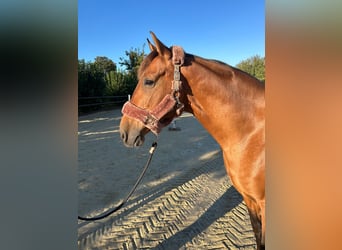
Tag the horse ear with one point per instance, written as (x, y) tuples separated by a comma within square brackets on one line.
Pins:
[(151, 46), (161, 48)]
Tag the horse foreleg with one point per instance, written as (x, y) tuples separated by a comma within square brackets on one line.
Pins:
[(257, 218)]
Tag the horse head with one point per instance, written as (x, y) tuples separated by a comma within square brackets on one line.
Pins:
[(156, 100)]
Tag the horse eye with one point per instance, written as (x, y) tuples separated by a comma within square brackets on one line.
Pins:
[(148, 82)]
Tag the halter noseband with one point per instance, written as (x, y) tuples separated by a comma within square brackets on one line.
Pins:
[(152, 119)]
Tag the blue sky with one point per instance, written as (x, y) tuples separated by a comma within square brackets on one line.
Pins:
[(225, 30)]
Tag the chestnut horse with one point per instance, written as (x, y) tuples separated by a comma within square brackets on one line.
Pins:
[(228, 102)]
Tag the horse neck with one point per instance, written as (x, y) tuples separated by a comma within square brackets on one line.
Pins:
[(227, 102)]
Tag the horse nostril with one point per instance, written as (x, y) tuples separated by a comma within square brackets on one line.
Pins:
[(124, 136), (139, 140)]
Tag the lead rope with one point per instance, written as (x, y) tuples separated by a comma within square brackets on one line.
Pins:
[(109, 212)]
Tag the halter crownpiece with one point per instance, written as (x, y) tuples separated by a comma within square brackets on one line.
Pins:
[(177, 55), (152, 119)]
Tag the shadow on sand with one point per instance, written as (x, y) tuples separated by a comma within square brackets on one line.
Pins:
[(217, 210)]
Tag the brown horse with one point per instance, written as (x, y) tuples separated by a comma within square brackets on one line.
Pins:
[(228, 102)]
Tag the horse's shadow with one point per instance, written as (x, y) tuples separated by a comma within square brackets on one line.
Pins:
[(230, 199)]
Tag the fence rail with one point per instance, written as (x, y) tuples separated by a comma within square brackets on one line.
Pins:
[(91, 101)]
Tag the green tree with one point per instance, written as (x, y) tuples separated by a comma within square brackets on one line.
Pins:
[(134, 58), (105, 64), (116, 85), (102, 77), (90, 79), (254, 65)]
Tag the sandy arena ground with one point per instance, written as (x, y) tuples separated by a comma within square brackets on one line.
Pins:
[(185, 200)]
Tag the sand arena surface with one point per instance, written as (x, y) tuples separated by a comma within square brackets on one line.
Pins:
[(185, 200)]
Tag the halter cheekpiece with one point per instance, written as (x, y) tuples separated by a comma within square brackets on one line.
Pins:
[(152, 119)]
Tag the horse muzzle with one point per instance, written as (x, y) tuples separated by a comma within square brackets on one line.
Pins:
[(132, 133)]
